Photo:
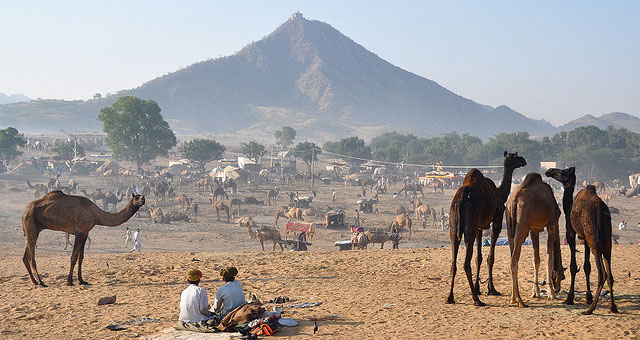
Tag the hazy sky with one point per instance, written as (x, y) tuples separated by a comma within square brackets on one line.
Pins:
[(555, 60)]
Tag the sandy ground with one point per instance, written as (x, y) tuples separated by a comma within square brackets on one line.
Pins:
[(369, 294)]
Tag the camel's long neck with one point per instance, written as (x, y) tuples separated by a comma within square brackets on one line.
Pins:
[(567, 200), (505, 185), (115, 219)]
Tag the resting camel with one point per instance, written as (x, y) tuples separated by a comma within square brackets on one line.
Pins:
[(476, 205), (264, 234), (411, 187), (273, 193), (221, 206), (293, 213), (219, 192), (589, 218), (247, 222), (158, 216), (530, 209), (236, 202), (71, 214), (401, 222)]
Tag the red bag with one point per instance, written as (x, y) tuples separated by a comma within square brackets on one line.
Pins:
[(266, 327)]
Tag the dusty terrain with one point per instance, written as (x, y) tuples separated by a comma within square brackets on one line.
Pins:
[(365, 294)]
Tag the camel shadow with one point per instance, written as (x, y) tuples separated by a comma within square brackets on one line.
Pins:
[(321, 322)]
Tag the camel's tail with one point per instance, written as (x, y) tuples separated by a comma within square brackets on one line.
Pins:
[(511, 217), (460, 212)]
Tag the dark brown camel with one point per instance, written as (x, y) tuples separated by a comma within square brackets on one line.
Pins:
[(531, 208), (219, 191), (71, 214), (477, 204), (412, 187), (590, 219)]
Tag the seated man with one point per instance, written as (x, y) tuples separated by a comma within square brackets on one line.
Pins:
[(300, 244), (194, 304), (230, 295)]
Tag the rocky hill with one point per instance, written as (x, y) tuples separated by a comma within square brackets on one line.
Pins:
[(13, 98), (617, 119), (305, 74)]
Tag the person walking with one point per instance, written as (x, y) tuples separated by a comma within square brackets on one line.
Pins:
[(137, 241), (128, 238), (333, 195)]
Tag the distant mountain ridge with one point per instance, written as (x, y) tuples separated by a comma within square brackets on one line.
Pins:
[(616, 119), (306, 74), (13, 98)]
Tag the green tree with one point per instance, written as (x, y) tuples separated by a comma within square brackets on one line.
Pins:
[(253, 150), (136, 131), (306, 151), (10, 141), (354, 147), (65, 150), (285, 136), (202, 151)]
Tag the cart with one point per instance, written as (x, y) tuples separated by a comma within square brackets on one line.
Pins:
[(335, 219)]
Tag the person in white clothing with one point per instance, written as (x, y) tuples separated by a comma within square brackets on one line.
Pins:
[(622, 225), (230, 295), (128, 238), (194, 306), (137, 241)]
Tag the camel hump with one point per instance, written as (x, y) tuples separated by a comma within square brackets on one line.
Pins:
[(473, 176), (591, 188), (531, 178)]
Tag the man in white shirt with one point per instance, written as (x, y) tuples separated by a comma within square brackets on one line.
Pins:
[(230, 295), (137, 241), (194, 307), (622, 225), (128, 239)]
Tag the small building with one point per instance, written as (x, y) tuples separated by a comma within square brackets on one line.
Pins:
[(248, 164)]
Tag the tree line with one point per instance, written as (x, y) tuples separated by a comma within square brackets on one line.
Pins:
[(609, 153)]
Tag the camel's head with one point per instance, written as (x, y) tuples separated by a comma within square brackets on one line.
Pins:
[(564, 176), (513, 161), (137, 200), (556, 278)]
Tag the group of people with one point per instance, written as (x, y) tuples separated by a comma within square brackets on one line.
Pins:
[(195, 311), (135, 240)]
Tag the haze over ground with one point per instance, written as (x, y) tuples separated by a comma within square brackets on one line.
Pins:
[(545, 60)]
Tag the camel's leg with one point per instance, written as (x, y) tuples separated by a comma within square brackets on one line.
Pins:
[(601, 280), (78, 245), (281, 246), (29, 259), (573, 267), (381, 245), (467, 268), (478, 262), (587, 272), (262, 244), (83, 239), (607, 262), (550, 264), (515, 258), (495, 233), (274, 245), (217, 214), (535, 240), (455, 244)]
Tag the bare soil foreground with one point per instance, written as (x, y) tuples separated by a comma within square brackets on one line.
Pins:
[(373, 294)]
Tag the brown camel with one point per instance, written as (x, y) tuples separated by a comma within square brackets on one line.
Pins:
[(157, 215), (415, 204), (247, 222), (184, 202), (265, 234), (236, 202), (369, 182), (401, 222), (600, 186), (530, 209), (219, 192), (423, 211), (71, 214), (401, 210), (590, 219), (476, 205), (273, 193), (221, 206), (52, 182), (39, 190), (411, 187), (376, 236), (293, 213), (437, 185), (111, 198)]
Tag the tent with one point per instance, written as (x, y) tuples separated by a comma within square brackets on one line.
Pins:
[(232, 172)]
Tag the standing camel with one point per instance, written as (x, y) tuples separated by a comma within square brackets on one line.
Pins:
[(221, 206), (273, 193), (590, 219), (184, 202), (400, 222), (236, 202), (412, 187), (264, 234), (219, 192), (474, 207), (531, 208), (74, 215)]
